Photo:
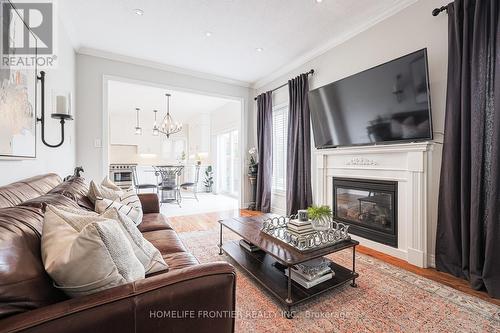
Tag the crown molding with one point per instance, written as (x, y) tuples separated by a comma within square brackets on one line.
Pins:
[(314, 53), (161, 66)]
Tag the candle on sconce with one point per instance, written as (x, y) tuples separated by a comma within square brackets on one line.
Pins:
[(61, 105)]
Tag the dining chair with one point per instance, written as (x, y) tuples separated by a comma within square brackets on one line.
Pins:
[(192, 185), (170, 175), (138, 186)]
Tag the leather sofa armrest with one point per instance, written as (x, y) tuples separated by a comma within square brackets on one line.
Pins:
[(150, 202), (199, 298)]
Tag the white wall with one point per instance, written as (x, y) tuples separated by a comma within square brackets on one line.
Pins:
[(225, 118), (91, 72), (59, 160), (409, 30)]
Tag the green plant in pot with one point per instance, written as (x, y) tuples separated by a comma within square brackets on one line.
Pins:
[(321, 217), (209, 179)]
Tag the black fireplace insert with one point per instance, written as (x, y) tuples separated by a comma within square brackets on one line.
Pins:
[(369, 207)]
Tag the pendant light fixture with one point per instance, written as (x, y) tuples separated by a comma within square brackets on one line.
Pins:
[(168, 126), (138, 129), (156, 131)]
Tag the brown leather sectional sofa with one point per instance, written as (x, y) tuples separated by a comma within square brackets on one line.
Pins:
[(190, 297)]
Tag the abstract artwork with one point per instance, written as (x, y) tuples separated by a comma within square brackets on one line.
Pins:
[(17, 104)]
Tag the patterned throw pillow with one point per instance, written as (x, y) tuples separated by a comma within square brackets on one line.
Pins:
[(147, 254), (85, 253), (127, 203), (107, 189)]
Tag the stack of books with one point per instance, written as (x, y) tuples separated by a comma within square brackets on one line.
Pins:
[(302, 275), (300, 228), (248, 246)]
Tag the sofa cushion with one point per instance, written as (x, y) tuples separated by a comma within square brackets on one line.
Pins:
[(54, 199), (152, 222), (149, 202), (84, 253), (76, 189), (180, 260), (166, 241), (24, 284), (15, 193)]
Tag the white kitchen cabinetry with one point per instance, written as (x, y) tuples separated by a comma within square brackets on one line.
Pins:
[(199, 135)]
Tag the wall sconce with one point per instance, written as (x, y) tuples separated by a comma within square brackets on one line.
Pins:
[(62, 112)]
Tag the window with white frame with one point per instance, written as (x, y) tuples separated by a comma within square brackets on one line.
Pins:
[(280, 136)]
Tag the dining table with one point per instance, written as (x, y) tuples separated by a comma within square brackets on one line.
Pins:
[(169, 182)]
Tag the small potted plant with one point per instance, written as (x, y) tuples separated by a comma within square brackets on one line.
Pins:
[(209, 179), (320, 216), (181, 159), (253, 165)]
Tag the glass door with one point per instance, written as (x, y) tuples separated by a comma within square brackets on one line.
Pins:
[(228, 179)]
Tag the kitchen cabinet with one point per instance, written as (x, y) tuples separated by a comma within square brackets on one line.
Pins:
[(199, 135)]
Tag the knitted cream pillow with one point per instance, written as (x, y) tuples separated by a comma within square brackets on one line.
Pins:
[(85, 253), (107, 189), (147, 254), (127, 203)]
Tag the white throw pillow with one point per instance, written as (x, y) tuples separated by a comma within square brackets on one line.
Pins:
[(84, 253), (106, 182), (107, 189), (147, 254), (127, 203)]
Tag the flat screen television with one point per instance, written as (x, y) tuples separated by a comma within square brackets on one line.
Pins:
[(388, 103)]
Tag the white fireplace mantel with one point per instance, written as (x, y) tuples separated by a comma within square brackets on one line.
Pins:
[(411, 165)]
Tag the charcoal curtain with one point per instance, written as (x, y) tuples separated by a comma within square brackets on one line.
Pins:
[(298, 176), (264, 147), (468, 230)]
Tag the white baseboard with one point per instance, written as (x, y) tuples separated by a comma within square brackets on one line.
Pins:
[(431, 260), (417, 258)]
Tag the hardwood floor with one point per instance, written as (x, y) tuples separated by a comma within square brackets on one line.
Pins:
[(208, 221), (430, 273), (205, 221)]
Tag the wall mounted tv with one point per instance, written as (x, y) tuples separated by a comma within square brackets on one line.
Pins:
[(389, 103)]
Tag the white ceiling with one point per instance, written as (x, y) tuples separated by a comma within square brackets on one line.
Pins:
[(124, 97), (172, 32)]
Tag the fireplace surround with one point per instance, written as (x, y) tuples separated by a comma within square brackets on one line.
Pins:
[(368, 206), (414, 167)]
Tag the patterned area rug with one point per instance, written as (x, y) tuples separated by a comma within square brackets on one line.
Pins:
[(388, 299)]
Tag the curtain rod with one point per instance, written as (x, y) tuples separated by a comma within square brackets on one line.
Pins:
[(437, 11), (311, 72)]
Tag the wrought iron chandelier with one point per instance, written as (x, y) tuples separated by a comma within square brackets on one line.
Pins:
[(167, 126)]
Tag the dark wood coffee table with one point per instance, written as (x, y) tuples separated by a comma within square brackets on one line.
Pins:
[(267, 266)]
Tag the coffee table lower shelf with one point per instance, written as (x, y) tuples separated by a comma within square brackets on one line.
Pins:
[(261, 266)]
